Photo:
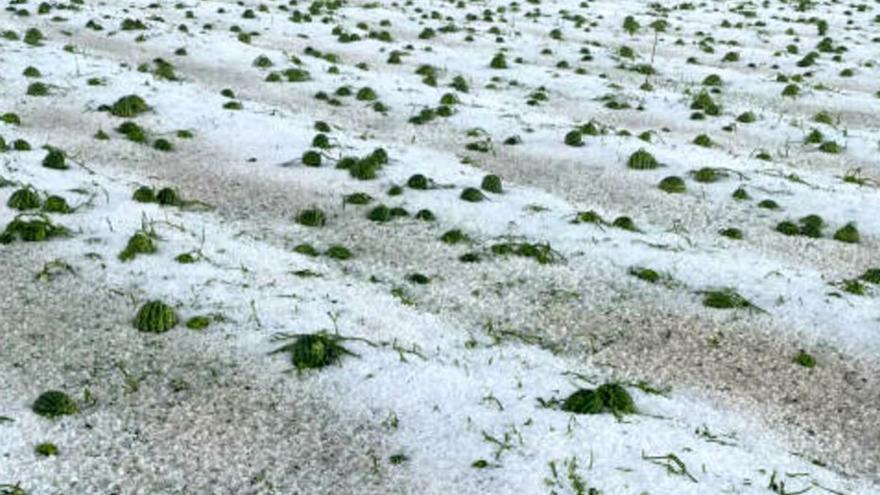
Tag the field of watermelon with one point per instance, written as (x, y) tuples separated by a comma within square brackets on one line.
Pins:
[(556, 247)]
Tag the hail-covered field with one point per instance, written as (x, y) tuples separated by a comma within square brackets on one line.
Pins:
[(541, 247)]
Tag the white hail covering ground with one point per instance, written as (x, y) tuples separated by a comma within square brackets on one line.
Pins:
[(212, 411)]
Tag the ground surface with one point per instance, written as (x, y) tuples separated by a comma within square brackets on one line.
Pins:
[(456, 375)]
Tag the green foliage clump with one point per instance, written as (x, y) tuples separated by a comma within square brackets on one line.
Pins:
[(46, 449), (155, 317), (311, 217), (10, 118), (418, 278), (366, 94), (358, 198), (314, 351), (584, 401), (132, 132), (746, 118), (823, 117), (804, 359), (542, 253), (707, 175), (53, 404), (498, 61), (338, 252), (740, 194), (144, 194), (311, 158), (610, 397), (262, 62), (365, 168), (168, 196), (855, 287), (26, 198), (296, 75), (321, 141), (163, 144), (472, 195), (37, 89), (625, 223), (491, 183), (164, 70), (35, 228), (705, 103), (33, 37), (811, 226), (398, 211), (56, 204), (712, 80), (424, 116), (425, 215), (591, 128), (186, 258), (198, 322), (642, 160), (140, 243), (872, 276), (55, 159), (732, 233), (672, 185), (788, 227), (830, 147), (703, 140), (306, 250), (470, 258), (129, 106), (380, 213), (418, 182), (12, 490), (460, 84), (725, 299), (590, 216), (848, 234), (574, 138), (814, 137), (129, 24), (454, 236), (791, 90), (646, 274), (768, 204)]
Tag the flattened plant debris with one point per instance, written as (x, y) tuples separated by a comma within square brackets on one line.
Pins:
[(804, 359), (7, 489), (31, 228), (647, 274), (590, 216), (726, 298), (542, 253), (610, 397), (673, 464)]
